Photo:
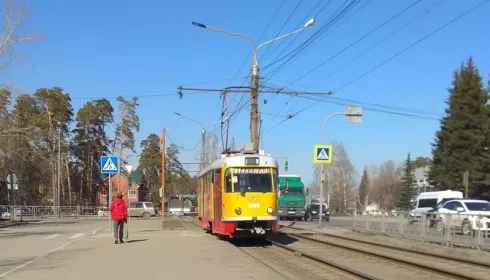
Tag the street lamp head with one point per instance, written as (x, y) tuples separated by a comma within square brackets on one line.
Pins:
[(177, 114), (310, 22), (198, 24)]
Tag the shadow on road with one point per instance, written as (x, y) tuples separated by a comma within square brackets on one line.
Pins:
[(136, 240)]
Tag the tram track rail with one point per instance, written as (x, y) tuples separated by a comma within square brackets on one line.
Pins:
[(292, 264), (411, 260)]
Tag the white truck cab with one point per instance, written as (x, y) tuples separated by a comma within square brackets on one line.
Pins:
[(427, 201)]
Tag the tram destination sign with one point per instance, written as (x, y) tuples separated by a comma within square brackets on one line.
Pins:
[(251, 170)]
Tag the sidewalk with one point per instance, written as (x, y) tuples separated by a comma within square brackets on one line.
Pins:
[(151, 253)]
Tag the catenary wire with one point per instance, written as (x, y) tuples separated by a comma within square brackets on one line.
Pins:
[(358, 40), (452, 21)]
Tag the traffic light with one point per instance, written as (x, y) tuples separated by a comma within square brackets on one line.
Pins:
[(286, 165)]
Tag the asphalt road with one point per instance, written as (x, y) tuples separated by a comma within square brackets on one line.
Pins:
[(22, 245)]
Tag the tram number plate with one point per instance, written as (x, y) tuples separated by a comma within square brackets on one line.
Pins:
[(291, 212), (253, 205)]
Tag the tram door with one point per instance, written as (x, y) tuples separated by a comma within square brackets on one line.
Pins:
[(217, 196)]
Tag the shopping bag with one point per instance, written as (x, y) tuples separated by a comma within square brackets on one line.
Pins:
[(125, 232)]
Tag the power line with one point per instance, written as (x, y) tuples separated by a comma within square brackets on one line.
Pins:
[(182, 148), (385, 38), (367, 108), (125, 96), (215, 81), (336, 24), (337, 15), (284, 24), (415, 43), (389, 59), (243, 63), (358, 40), (301, 23)]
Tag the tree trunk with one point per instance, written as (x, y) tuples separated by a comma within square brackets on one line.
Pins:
[(91, 179), (67, 169)]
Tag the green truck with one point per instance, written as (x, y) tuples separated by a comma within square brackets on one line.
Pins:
[(292, 197)]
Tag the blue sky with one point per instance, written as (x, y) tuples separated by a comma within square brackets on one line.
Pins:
[(110, 48)]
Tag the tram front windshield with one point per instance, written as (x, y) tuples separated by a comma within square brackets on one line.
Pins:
[(252, 180)]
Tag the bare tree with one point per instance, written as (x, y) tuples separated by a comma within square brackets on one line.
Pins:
[(372, 172), (339, 181), (384, 192), (14, 16), (211, 147)]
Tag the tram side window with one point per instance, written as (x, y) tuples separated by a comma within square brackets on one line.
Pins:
[(206, 184), (228, 180), (275, 175)]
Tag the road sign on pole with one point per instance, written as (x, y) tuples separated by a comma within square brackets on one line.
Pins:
[(129, 168), (108, 164), (353, 114), (322, 154)]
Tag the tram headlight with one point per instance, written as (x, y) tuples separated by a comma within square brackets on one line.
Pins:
[(270, 210), (238, 210)]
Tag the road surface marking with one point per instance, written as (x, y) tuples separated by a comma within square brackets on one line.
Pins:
[(52, 236), (38, 258), (76, 235), (97, 229)]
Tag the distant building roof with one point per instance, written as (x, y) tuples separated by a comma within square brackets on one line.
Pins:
[(135, 176)]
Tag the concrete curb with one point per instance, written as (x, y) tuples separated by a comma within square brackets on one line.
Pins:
[(13, 224)]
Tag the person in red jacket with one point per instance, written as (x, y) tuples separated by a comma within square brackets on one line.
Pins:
[(119, 216)]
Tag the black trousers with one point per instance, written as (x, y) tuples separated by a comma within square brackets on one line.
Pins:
[(118, 229)]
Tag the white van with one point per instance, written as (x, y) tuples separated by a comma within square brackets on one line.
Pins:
[(426, 201)]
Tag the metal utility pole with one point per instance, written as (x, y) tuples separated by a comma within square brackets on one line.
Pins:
[(59, 171), (466, 177), (203, 149), (254, 87), (163, 174), (353, 114)]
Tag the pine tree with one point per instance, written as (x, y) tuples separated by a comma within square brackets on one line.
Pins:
[(464, 134), (407, 184), (151, 165), (363, 191)]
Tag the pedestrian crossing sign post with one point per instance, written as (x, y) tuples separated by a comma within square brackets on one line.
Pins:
[(322, 154), (108, 164)]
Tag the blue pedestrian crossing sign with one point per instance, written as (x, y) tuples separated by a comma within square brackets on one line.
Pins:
[(108, 164), (322, 154)]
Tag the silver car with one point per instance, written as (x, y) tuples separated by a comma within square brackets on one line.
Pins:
[(141, 209)]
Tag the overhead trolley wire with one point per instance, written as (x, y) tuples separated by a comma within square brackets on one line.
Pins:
[(358, 40), (452, 21)]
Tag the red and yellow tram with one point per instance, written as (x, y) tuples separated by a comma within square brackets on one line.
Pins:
[(237, 196)]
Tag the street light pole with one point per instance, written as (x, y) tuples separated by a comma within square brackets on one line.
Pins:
[(353, 115), (254, 77)]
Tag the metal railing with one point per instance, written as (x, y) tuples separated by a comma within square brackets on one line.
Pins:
[(18, 212), (448, 229), (15, 212)]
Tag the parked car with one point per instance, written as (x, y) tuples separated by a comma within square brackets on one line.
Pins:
[(465, 215), (401, 212), (313, 212), (141, 209)]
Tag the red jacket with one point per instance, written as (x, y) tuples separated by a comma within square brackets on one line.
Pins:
[(118, 209)]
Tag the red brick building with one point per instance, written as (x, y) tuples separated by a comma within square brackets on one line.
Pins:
[(134, 193)]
